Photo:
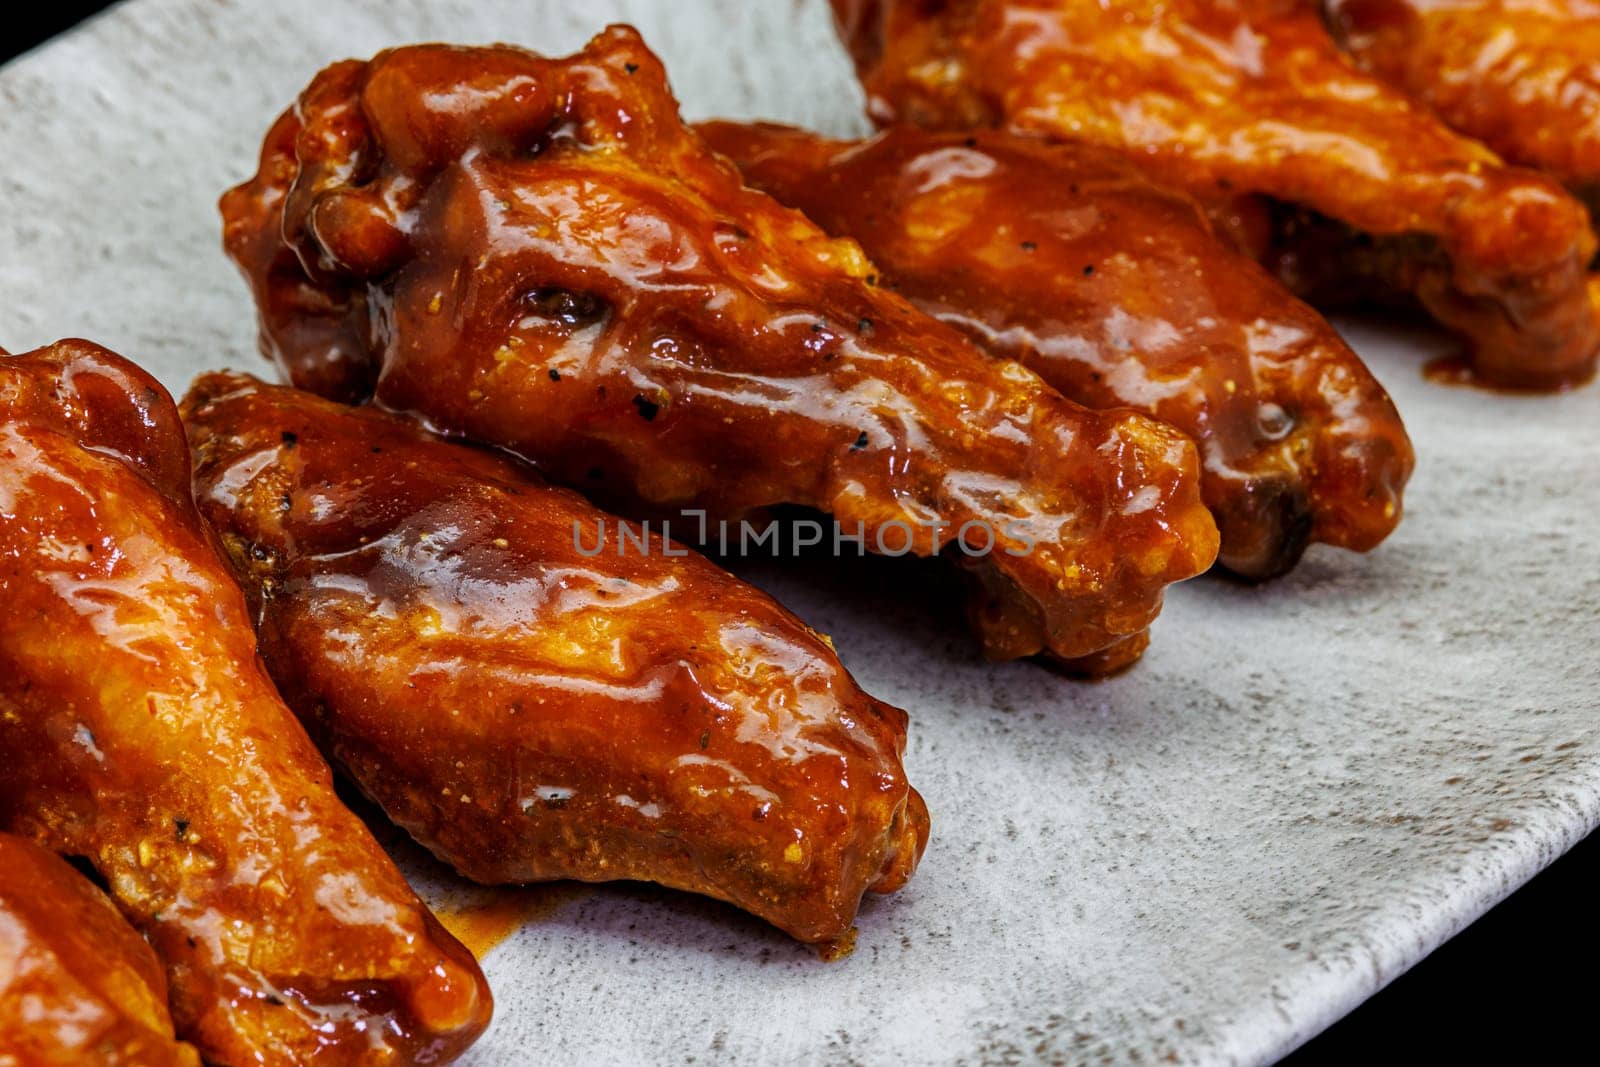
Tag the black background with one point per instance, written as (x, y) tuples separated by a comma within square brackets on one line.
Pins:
[(1518, 984)]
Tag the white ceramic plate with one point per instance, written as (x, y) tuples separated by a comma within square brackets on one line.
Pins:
[(1299, 792)]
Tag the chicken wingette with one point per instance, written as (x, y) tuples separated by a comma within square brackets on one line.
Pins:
[(1343, 185), (531, 694), (1115, 292), (139, 730), (538, 254), (78, 986)]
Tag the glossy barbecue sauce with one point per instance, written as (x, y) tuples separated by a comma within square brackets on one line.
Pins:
[(81, 985), (529, 711), (140, 732), (549, 261), (494, 915), (1519, 75), (1235, 99), (1064, 257)]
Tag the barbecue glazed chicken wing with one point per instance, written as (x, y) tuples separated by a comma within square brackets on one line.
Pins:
[(1342, 184), (139, 730), (1063, 257), (529, 697), (78, 986), (1522, 76), (551, 262)]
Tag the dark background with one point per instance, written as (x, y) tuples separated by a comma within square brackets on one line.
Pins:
[(1519, 983)]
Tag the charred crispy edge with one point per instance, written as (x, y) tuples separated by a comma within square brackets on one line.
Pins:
[(1589, 194), (1388, 274), (286, 287), (1285, 516)]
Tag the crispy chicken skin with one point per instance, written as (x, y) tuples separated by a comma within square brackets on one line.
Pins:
[(1064, 257), (139, 730), (78, 986), (1248, 104), (531, 697), (1522, 76), (554, 264)]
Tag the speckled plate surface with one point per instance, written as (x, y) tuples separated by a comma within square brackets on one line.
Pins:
[(1299, 792)]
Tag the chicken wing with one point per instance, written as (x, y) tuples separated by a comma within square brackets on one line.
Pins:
[(1115, 291), (1522, 76), (553, 263), (138, 730), (78, 986), (1354, 191), (531, 706)]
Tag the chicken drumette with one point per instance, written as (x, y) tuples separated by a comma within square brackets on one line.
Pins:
[(78, 986), (139, 731), (538, 254), (529, 695), (1522, 76), (1116, 293), (1339, 182)]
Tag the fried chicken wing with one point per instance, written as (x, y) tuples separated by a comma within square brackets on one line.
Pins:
[(1354, 190), (139, 730), (1522, 76), (1064, 257), (531, 705), (554, 264), (78, 986)]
